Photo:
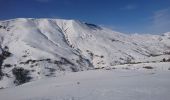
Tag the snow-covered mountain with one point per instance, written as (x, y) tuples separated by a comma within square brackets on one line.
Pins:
[(47, 47)]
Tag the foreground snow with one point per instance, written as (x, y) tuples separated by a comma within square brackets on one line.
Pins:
[(112, 84)]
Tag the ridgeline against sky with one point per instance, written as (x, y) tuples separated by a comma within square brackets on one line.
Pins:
[(129, 16)]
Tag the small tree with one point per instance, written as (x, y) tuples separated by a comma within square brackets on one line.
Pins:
[(1, 62), (21, 75), (164, 60), (5, 53)]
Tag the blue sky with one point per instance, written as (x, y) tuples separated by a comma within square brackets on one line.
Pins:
[(129, 16)]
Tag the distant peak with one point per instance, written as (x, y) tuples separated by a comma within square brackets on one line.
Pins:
[(166, 34)]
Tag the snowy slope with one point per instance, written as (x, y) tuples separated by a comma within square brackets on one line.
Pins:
[(95, 85), (47, 47)]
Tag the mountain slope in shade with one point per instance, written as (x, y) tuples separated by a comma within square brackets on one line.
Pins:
[(47, 47)]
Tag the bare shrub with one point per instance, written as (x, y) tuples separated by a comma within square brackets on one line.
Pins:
[(148, 67)]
